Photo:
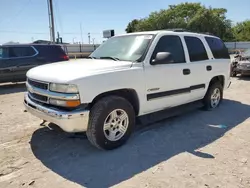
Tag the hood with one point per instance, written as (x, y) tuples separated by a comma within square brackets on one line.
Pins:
[(66, 71)]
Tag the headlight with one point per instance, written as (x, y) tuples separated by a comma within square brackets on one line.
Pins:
[(63, 103), (63, 88)]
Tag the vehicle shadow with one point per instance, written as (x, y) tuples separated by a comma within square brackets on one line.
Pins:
[(244, 77), (12, 88), (77, 161)]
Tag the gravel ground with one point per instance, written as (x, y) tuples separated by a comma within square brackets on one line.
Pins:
[(197, 149)]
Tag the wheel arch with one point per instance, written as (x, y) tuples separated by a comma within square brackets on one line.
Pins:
[(129, 94), (219, 78)]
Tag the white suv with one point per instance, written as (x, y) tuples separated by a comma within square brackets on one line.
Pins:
[(129, 76)]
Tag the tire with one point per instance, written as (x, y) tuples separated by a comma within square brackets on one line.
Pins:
[(207, 100), (234, 74), (100, 114)]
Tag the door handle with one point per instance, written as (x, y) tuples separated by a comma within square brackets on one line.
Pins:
[(209, 68), (186, 71)]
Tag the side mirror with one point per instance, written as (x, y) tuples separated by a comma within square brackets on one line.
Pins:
[(162, 58)]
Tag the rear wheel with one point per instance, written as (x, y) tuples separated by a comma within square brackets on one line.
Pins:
[(213, 96), (111, 122), (234, 74)]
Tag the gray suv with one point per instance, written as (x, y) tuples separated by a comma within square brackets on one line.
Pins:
[(16, 60)]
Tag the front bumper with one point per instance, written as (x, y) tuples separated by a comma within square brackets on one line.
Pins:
[(73, 121), (244, 71)]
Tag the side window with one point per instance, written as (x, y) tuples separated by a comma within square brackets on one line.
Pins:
[(4, 52), (1, 52), (57, 50), (21, 52), (173, 45), (218, 48), (196, 49)]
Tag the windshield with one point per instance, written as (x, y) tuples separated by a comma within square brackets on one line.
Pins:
[(124, 48)]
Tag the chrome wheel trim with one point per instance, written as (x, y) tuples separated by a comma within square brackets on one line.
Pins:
[(116, 125), (215, 98)]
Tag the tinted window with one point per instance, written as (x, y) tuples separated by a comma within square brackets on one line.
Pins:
[(218, 48), (196, 49), (51, 53), (173, 45), (45, 50), (56, 50), (21, 52), (4, 53)]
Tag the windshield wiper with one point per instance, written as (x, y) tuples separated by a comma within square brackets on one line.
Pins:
[(89, 57), (109, 57)]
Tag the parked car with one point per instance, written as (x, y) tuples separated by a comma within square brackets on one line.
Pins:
[(129, 76), (241, 64), (16, 60)]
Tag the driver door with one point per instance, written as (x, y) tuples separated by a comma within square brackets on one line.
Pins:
[(5, 68), (168, 83)]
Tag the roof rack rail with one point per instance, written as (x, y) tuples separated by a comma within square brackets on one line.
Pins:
[(185, 30), (176, 30)]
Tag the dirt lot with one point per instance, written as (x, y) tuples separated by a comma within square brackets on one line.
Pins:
[(197, 149)]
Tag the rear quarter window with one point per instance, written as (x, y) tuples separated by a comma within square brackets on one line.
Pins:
[(51, 53), (57, 50), (218, 48)]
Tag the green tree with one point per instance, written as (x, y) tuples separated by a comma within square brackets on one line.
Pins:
[(242, 31), (189, 16), (212, 21), (132, 26)]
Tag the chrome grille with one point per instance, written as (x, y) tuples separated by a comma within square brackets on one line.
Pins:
[(38, 91), (37, 84), (38, 97)]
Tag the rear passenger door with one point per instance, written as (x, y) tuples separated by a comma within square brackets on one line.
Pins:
[(221, 58), (200, 64), (21, 59)]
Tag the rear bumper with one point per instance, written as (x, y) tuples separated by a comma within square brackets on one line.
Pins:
[(73, 121)]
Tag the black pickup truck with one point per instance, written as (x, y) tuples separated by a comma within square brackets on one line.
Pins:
[(16, 60)]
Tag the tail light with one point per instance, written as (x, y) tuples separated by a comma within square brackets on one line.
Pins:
[(65, 57)]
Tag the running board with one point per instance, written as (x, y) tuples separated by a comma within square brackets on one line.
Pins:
[(167, 113)]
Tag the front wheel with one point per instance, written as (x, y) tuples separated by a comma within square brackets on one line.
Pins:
[(111, 122), (213, 96)]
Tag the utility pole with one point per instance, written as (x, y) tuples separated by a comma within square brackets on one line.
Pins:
[(89, 37), (51, 21), (93, 40), (81, 32)]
